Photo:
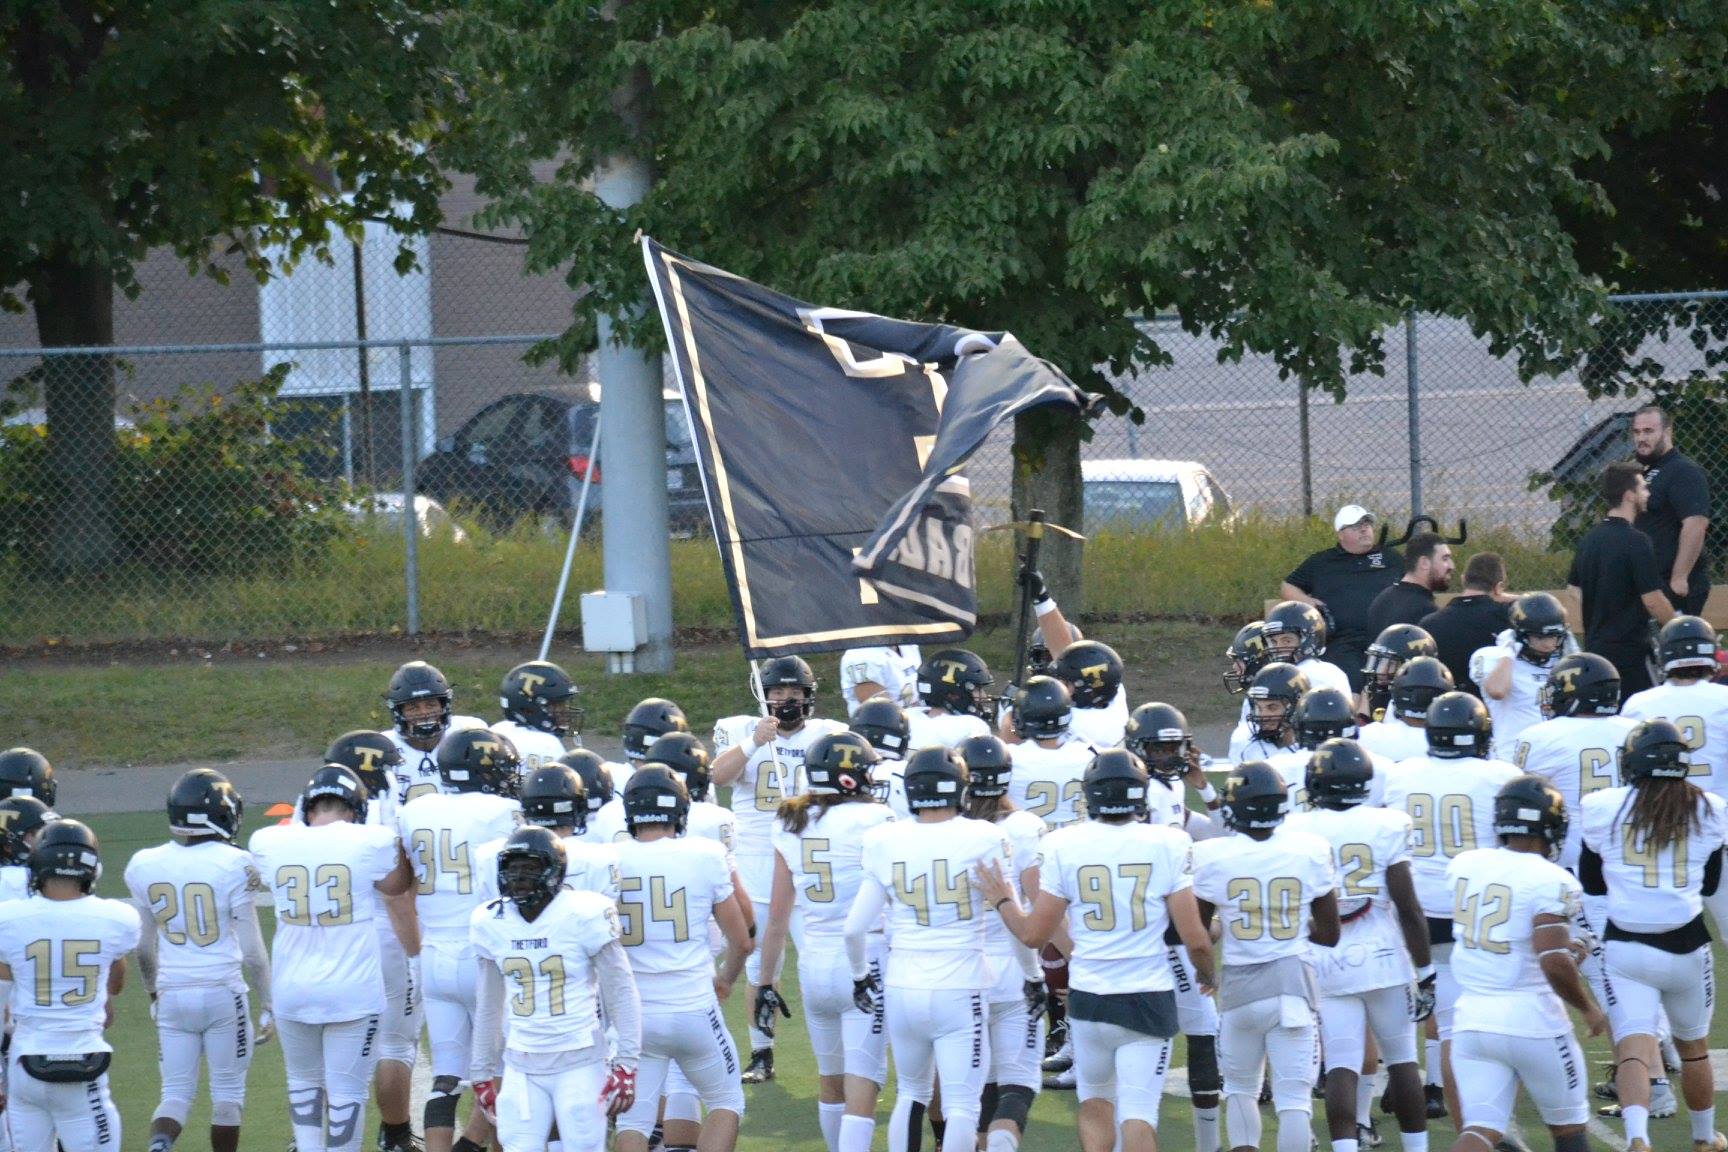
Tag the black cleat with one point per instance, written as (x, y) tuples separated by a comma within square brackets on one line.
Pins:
[(409, 1143), (761, 1069), (1434, 1097)]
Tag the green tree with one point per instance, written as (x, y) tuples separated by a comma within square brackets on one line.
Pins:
[(199, 126), (1287, 177)]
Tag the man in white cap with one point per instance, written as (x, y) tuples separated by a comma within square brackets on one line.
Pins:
[(1343, 581)]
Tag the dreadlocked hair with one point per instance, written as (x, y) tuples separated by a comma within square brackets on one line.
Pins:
[(1661, 812), (799, 812)]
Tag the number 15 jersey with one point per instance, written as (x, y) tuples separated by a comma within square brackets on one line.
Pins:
[(60, 952)]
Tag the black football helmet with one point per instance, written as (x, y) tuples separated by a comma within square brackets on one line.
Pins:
[(1304, 621), (1416, 685), (20, 816), (655, 795), (372, 756), (839, 764), (1247, 655), (1042, 709), (1339, 774), (531, 868), (341, 782), (686, 755), (1254, 797), (935, 777), (1277, 681), (26, 772), (1687, 642), (1115, 785), (203, 802), (1396, 646), (1159, 735), (418, 680), (647, 722), (596, 781), (1531, 806), (538, 695), (66, 849), (1582, 684), (1537, 614), (989, 765), (1322, 714), (553, 797), (794, 672), (1038, 659), (1458, 726), (479, 760), (883, 722), (1092, 671), (1654, 750), (955, 680)]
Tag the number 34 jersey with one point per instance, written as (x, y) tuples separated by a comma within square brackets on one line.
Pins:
[(60, 952), (1497, 895), (1451, 808), (1262, 890), (196, 892), (324, 962)]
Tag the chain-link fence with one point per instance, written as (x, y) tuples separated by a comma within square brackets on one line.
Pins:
[(255, 484)]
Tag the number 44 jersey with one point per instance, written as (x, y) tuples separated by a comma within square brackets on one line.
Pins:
[(1450, 803)]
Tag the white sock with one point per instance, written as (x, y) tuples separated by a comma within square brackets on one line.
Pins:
[(1703, 1124), (554, 1146), (1001, 1140), (1637, 1121), (829, 1117), (1349, 1145), (1206, 1129), (1431, 1062), (856, 1133), (1414, 1141), (1364, 1100), (759, 1040)]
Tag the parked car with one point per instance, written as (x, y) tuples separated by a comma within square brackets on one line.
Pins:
[(387, 508), (526, 454), (1128, 493)]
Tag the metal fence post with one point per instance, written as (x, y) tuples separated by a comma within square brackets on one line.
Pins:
[(1307, 448), (1414, 422), (410, 453)]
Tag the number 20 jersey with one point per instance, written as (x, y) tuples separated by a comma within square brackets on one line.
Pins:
[(1451, 808), (196, 892)]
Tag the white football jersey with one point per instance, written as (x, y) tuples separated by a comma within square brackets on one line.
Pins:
[(607, 825), (1262, 890), (587, 867), (1451, 808), (1245, 746), (946, 730), (1576, 754), (1292, 765), (667, 891), (712, 822), (547, 965), (60, 952), (537, 748), (1650, 890), (895, 669), (1366, 841), (418, 773), (1497, 895), (440, 832), (1393, 739), (937, 933), (889, 780), (1115, 878), (1023, 832), (1522, 707), (1166, 803), (196, 892), (1102, 727), (1325, 674), (14, 883), (1047, 781), (758, 790), (1700, 711), (825, 861), (324, 961)]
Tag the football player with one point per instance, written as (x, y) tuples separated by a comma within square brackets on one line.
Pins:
[(866, 673), (1365, 982), (645, 723), (1396, 646), (479, 772), (762, 759), (1575, 748), (952, 686), (554, 798), (939, 975), (670, 887), (325, 872), (26, 772), (1515, 964), (1296, 633), (538, 702), (1687, 648), (1049, 758), (556, 947), (883, 723), (818, 848), (1272, 698), (1399, 734), (1652, 847), (1513, 670), (22, 819), (1247, 654), (1092, 671), (201, 948), (1449, 797), (1274, 895), (605, 819), (1117, 882), (420, 698), (1321, 714)]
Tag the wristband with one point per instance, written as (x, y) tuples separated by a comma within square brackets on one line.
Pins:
[(998, 905), (1044, 607), (1208, 793)]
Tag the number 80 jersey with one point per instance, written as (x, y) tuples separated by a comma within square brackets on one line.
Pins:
[(1451, 808)]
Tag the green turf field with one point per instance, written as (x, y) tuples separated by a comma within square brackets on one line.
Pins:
[(781, 1116)]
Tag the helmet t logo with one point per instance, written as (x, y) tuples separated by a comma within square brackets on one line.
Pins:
[(530, 683), (369, 758), (1094, 674), (953, 670)]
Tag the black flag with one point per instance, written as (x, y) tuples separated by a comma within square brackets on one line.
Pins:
[(831, 444)]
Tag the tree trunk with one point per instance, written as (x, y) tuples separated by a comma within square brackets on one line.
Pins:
[(75, 308), (1052, 439)]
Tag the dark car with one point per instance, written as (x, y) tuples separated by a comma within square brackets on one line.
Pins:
[(526, 455)]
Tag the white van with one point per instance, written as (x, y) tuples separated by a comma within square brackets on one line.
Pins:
[(1127, 494)]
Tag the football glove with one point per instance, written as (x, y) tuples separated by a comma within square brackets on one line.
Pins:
[(769, 1001), (1033, 581), (1422, 1006), (266, 1029), (486, 1098), (619, 1091), (865, 994), (1037, 998)]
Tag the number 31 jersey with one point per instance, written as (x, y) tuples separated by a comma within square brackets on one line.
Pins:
[(196, 892), (1451, 808), (548, 977)]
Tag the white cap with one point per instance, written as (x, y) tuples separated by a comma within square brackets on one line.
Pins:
[(1350, 514)]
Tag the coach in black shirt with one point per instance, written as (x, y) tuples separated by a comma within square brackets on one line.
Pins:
[(1614, 572), (1346, 579), (1427, 570), (1473, 619), (1678, 514)]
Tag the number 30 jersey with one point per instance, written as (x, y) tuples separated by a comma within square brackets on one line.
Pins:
[(667, 890), (1115, 878), (936, 914), (1262, 890), (548, 979), (1496, 895), (825, 861), (195, 892), (60, 952), (1451, 808), (324, 960)]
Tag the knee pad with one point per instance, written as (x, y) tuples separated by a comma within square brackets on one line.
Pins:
[(175, 1109), (1203, 1075), (1014, 1103), (686, 1106), (344, 1122), (225, 1113), (987, 1105), (441, 1103), (306, 1107)]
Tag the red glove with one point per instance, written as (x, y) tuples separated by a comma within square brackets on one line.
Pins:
[(620, 1090), (486, 1096)]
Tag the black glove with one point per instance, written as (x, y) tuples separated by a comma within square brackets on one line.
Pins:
[(1422, 1006), (1033, 580), (866, 993), (768, 1001), (1037, 998)]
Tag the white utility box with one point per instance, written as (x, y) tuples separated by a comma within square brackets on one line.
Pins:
[(614, 621)]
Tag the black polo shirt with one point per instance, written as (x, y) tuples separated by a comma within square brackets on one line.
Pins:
[(1402, 603), (1469, 622), (1678, 488), (1348, 585), (1615, 567)]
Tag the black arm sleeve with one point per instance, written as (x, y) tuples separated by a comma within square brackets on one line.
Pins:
[(1590, 872), (1713, 872)]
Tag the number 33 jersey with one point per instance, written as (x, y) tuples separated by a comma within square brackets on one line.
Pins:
[(1262, 890), (324, 961), (196, 892), (60, 952), (1451, 808), (1497, 894)]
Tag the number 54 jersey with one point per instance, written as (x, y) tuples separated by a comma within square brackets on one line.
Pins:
[(1451, 808), (667, 890)]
